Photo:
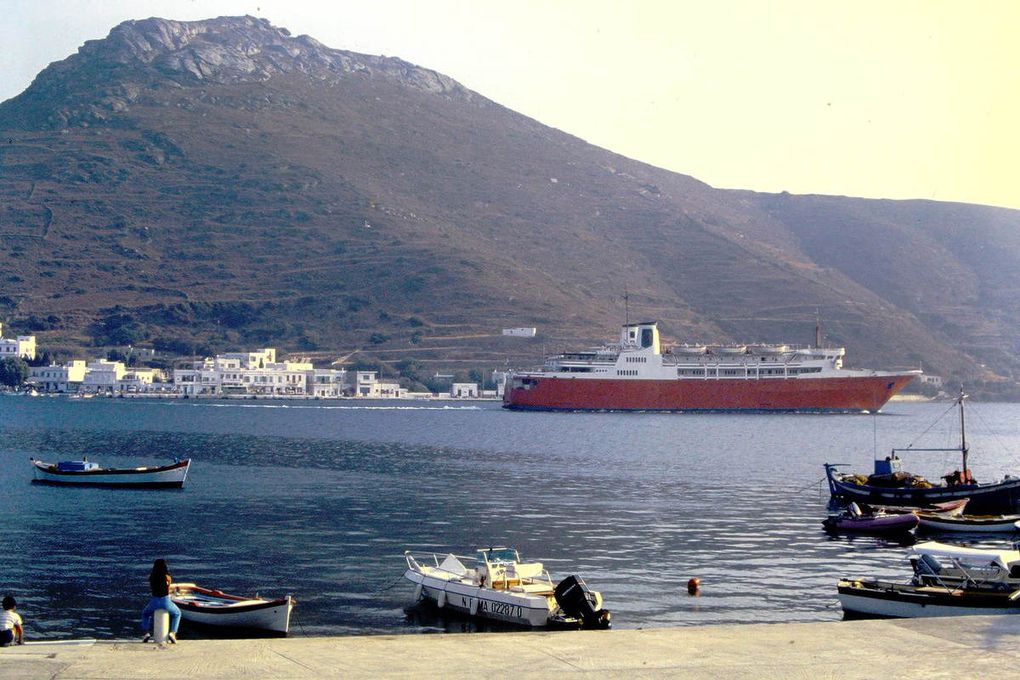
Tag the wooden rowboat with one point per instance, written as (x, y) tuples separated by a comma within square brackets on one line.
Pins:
[(87, 473), (970, 523), (210, 607)]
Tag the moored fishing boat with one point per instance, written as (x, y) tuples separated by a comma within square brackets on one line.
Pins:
[(87, 473), (891, 485), (210, 607), (948, 580), (947, 509), (970, 523), (496, 584), (878, 598), (637, 375)]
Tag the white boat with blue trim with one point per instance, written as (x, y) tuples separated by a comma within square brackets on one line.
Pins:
[(88, 473)]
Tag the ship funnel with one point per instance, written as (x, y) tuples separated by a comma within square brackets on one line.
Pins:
[(641, 336)]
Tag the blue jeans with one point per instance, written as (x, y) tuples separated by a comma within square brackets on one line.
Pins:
[(161, 603)]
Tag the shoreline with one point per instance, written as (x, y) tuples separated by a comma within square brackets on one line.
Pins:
[(957, 647)]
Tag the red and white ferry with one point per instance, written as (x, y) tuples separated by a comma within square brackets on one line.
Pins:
[(636, 375)]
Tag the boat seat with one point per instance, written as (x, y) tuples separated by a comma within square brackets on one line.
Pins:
[(532, 588), (525, 570)]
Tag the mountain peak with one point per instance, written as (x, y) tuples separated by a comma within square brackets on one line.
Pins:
[(148, 54)]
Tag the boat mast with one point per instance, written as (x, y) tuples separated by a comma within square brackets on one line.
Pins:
[(963, 431)]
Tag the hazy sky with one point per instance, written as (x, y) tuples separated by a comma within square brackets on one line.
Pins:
[(892, 99)]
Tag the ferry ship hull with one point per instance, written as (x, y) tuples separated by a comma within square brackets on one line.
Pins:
[(840, 394)]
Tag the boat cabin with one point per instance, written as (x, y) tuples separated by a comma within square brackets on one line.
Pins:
[(76, 466), (889, 466)]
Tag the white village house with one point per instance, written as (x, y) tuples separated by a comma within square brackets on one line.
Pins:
[(22, 346)]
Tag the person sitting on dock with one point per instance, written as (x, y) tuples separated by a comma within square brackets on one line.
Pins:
[(11, 631), (159, 584)]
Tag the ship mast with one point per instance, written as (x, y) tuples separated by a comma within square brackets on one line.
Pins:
[(963, 434), (963, 431)]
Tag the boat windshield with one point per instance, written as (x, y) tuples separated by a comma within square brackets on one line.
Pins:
[(498, 555)]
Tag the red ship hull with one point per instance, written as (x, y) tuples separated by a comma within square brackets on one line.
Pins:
[(836, 394)]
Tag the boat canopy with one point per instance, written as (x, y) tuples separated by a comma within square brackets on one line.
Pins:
[(975, 556)]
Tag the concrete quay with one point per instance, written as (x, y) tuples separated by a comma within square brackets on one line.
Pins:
[(957, 648)]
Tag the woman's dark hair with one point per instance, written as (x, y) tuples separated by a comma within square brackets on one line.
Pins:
[(9, 602), (159, 567)]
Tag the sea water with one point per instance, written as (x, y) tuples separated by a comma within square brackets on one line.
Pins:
[(320, 499)]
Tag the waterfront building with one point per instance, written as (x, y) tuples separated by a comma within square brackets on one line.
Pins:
[(136, 380), (257, 373), (368, 386), (103, 376), (464, 390), (62, 378), (327, 383), (22, 346)]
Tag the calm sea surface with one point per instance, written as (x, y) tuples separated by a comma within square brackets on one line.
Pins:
[(320, 500)]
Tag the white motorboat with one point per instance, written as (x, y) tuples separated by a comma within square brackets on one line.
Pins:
[(496, 584), (87, 473), (215, 608)]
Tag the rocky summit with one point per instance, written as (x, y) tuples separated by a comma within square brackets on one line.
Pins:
[(215, 185)]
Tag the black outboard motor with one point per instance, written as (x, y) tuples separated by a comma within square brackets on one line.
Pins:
[(578, 602)]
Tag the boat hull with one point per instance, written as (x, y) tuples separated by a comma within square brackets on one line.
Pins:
[(872, 598), (523, 609), (833, 394), (999, 498), (165, 476), (202, 606), (884, 524), (999, 525)]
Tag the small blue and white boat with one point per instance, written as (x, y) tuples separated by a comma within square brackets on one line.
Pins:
[(87, 473)]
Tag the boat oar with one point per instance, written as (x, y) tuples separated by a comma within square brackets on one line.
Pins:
[(1014, 596)]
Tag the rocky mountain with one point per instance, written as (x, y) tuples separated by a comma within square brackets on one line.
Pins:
[(207, 186)]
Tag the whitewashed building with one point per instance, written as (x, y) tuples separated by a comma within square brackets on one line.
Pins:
[(22, 346), (136, 380), (368, 386), (257, 373), (62, 378), (103, 376), (327, 383), (520, 332), (464, 390)]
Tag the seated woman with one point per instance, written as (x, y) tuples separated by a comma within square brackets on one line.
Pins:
[(159, 584)]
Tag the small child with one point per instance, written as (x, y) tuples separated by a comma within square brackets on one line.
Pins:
[(11, 631)]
